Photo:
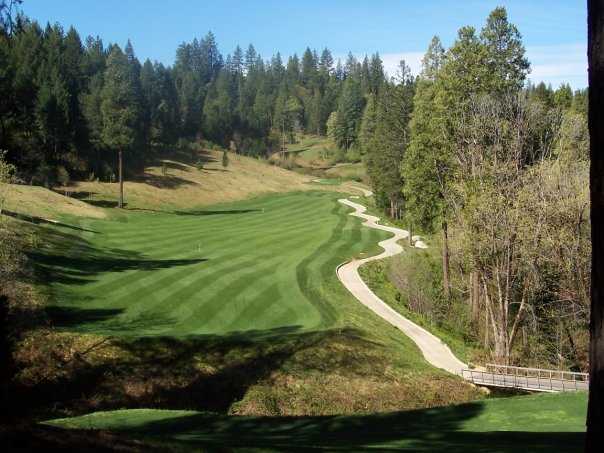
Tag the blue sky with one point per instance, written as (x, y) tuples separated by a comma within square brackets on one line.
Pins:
[(554, 31)]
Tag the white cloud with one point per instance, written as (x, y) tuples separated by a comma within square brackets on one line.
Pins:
[(559, 64), (555, 64), (392, 60)]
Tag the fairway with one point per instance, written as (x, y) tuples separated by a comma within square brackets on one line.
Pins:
[(259, 264)]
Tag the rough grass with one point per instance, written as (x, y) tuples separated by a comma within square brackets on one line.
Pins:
[(185, 185), (311, 150), (356, 171), (232, 308), (44, 203), (550, 422)]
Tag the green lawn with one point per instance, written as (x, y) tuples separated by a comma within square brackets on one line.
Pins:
[(547, 423), (234, 308), (253, 265)]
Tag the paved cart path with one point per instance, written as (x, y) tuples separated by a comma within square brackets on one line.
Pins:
[(434, 350)]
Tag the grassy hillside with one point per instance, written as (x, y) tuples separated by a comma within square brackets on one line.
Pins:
[(312, 151), (546, 423), (317, 156), (44, 203), (186, 185)]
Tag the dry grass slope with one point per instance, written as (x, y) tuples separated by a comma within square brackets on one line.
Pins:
[(41, 202), (190, 187)]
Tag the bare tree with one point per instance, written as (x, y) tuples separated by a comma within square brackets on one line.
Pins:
[(496, 141)]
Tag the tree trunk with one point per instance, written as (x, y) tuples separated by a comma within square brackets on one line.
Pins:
[(475, 295), (595, 411), (446, 284), (121, 202)]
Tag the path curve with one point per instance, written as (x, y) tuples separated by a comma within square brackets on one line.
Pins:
[(434, 350)]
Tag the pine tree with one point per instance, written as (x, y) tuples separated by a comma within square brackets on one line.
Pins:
[(368, 124), (504, 62), (350, 112), (433, 59), (119, 108), (309, 68)]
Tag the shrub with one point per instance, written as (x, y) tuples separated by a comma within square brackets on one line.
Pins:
[(62, 176)]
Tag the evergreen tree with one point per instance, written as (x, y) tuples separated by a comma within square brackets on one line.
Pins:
[(119, 108), (368, 124), (433, 59), (376, 73), (350, 113), (309, 68), (326, 62), (504, 62)]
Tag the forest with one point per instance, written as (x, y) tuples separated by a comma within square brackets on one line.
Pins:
[(491, 167)]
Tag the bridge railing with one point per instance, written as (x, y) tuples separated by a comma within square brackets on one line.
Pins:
[(527, 378), (538, 373)]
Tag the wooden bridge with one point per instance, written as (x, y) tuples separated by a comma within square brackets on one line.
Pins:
[(534, 379)]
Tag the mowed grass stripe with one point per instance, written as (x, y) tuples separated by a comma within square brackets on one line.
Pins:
[(123, 232), (259, 263), (261, 275), (197, 234), (124, 284)]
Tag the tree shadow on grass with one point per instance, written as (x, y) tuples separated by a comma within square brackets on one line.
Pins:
[(164, 181), (165, 372), (104, 203), (40, 221), (72, 259), (220, 212), (68, 269), (427, 430)]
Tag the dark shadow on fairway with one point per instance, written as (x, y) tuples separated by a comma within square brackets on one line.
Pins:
[(427, 430), (40, 220), (210, 212), (107, 321), (73, 316), (69, 269)]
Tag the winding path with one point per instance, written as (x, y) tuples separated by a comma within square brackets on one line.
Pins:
[(434, 350)]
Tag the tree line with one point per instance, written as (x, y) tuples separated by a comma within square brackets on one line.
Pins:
[(468, 149), (68, 106), (499, 167)]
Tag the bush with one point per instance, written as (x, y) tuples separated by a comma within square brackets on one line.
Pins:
[(353, 155), (62, 176), (339, 156)]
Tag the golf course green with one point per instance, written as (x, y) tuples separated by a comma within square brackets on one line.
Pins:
[(259, 264)]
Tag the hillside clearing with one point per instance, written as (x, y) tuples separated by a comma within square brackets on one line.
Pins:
[(38, 201), (185, 185)]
